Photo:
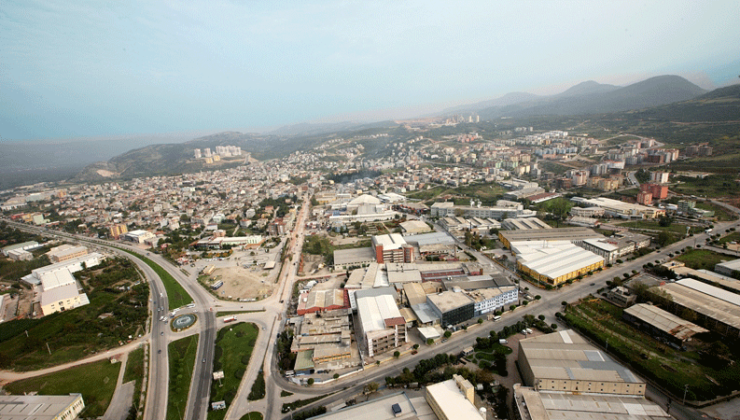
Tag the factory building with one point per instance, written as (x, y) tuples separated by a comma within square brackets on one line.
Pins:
[(382, 327), (392, 248), (451, 308), (658, 322), (41, 407), (573, 234), (555, 262), (565, 362)]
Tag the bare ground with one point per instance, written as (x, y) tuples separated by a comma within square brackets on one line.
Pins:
[(243, 283)]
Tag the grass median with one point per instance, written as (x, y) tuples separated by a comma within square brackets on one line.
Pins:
[(176, 294), (135, 370), (95, 381), (182, 360), (234, 346)]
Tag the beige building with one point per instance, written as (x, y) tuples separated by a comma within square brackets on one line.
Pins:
[(41, 407), (66, 252), (61, 299), (565, 362), (453, 399), (382, 327)]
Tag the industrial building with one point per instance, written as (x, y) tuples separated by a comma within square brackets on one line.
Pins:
[(564, 362), (451, 308), (573, 234), (117, 230), (529, 223), (324, 342), (41, 407), (614, 248), (382, 327), (62, 298), (138, 236), (457, 226), (658, 322), (433, 243), (554, 262), (453, 399), (531, 404), (344, 258), (392, 248), (51, 273), (728, 268), (413, 227), (322, 300), (25, 246), (621, 209), (717, 310), (396, 406), (66, 252), (500, 211)]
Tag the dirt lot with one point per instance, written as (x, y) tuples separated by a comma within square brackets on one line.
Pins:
[(244, 283)]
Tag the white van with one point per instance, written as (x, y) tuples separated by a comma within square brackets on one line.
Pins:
[(496, 318)]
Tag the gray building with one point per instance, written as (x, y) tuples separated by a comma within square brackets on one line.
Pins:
[(452, 308)]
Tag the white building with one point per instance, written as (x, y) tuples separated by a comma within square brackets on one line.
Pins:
[(62, 298), (382, 327)]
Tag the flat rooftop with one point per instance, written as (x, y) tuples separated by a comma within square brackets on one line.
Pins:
[(447, 301), (664, 321), (382, 409), (35, 407), (704, 304), (553, 259), (354, 255), (562, 234), (435, 238), (565, 355), (536, 405)]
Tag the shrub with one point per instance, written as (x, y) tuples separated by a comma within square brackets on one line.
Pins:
[(554, 326), (310, 381)]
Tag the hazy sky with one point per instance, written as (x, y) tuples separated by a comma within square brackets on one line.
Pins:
[(100, 68)]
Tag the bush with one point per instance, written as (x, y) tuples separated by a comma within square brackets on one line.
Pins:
[(336, 376), (554, 326), (538, 297), (541, 317), (310, 381), (258, 388), (448, 334), (396, 354)]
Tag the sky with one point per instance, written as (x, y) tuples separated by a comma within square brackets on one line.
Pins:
[(109, 68)]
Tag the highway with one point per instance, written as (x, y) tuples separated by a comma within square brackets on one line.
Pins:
[(207, 305)]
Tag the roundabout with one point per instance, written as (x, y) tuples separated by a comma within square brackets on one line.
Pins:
[(183, 322)]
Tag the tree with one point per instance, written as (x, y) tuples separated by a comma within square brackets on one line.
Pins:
[(448, 334), (430, 341), (310, 381), (416, 346), (554, 326), (396, 354), (541, 317), (512, 307), (336, 376), (372, 387)]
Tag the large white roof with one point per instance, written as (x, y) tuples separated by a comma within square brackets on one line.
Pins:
[(374, 310), (554, 258), (452, 402), (58, 278)]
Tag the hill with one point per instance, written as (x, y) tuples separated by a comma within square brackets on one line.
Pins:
[(594, 98)]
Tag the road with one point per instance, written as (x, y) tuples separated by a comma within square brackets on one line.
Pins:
[(276, 305)]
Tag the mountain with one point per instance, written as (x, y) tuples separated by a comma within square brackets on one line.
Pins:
[(587, 88), (594, 98), (512, 98)]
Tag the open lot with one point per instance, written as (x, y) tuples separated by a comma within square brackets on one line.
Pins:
[(245, 283), (95, 381), (707, 376), (703, 259)]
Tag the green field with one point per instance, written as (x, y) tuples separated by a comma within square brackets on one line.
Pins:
[(80, 332), (227, 313), (721, 214), (720, 185), (176, 295), (732, 237), (182, 360), (234, 346), (95, 381), (674, 228), (135, 370), (702, 259), (707, 377)]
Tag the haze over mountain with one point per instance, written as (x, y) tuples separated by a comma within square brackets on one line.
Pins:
[(589, 97)]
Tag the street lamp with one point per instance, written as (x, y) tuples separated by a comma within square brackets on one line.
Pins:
[(685, 390)]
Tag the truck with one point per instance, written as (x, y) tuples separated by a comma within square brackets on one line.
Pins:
[(217, 285), (229, 319)]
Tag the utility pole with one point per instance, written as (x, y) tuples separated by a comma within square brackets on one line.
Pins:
[(685, 390)]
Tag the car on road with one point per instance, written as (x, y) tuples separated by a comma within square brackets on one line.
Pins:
[(204, 360), (162, 333), (593, 284), (159, 351)]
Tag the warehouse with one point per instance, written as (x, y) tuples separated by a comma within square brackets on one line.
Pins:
[(528, 223), (344, 258), (433, 243), (564, 362), (413, 227), (382, 327), (451, 308), (555, 262), (531, 404), (41, 407), (661, 323), (612, 249), (719, 314), (621, 209), (573, 234), (728, 268), (322, 300), (65, 252)]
